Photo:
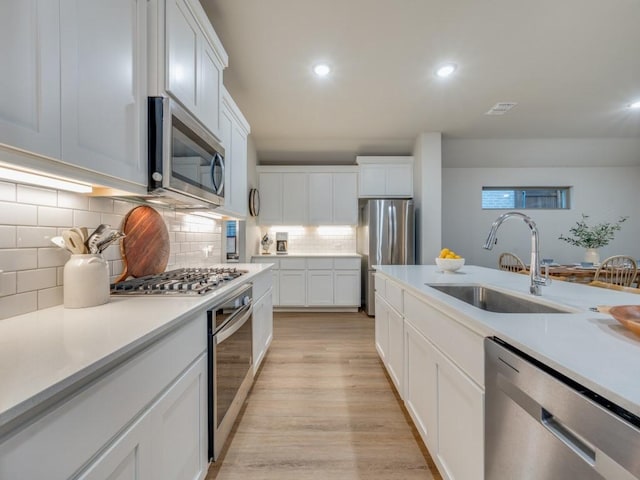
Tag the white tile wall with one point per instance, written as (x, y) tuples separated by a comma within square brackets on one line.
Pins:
[(33, 268), (329, 239)]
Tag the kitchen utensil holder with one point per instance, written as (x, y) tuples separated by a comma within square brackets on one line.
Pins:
[(86, 281)]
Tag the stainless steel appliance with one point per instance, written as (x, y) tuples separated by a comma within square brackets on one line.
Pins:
[(186, 162), (539, 424), (182, 281), (385, 236), (230, 347)]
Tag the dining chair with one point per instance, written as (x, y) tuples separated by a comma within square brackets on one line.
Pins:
[(510, 262), (617, 270)]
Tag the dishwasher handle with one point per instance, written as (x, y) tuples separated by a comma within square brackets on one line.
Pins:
[(567, 436)]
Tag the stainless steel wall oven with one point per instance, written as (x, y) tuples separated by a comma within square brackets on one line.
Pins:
[(230, 348)]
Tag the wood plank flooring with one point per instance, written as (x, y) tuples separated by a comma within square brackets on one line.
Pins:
[(322, 407)]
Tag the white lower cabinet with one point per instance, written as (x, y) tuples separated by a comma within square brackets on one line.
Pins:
[(436, 363), (382, 328), (420, 387), (293, 288), (145, 419), (128, 458), (262, 328), (179, 436), (318, 281), (320, 287)]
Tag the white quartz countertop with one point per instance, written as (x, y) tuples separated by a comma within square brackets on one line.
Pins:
[(329, 255), (46, 352), (589, 347)]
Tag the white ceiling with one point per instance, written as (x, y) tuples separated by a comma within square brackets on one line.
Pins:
[(571, 65)]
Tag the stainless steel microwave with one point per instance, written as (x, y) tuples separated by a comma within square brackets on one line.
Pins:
[(186, 162)]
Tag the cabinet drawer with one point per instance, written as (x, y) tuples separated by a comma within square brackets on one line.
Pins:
[(320, 263), (261, 284), (346, 263), (393, 295), (293, 263), (275, 261), (462, 346)]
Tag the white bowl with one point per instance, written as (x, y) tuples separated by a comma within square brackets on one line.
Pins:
[(449, 264)]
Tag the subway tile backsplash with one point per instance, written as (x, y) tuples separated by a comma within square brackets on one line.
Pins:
[(32, 267), (329, 239)]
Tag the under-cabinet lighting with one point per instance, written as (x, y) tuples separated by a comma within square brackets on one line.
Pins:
[(635, 105), (215, 216), (21, 176), (334, 230), (287, 228)]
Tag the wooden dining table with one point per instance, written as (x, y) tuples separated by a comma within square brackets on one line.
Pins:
[(569, 273)]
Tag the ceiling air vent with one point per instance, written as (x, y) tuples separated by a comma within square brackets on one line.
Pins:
[(501, 108)]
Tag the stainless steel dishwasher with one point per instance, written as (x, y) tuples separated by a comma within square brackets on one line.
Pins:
[(541, 425)]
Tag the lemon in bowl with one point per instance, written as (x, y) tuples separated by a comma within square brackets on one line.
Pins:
[(449, 261)]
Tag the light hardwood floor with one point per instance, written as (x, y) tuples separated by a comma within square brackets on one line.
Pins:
[(322, 407)]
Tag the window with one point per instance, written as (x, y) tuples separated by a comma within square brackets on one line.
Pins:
[(495, 198)]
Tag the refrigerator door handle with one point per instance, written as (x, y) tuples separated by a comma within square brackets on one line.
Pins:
[(393, 223)]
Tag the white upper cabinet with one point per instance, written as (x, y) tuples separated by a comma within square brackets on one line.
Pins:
[(195, 60), (234, 130), (75, 88), (385, 176), (103, 71), (30, 80), (309, 195)]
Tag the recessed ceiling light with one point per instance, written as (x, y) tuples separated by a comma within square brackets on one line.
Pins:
[(635, 104), (322, 69), (446, 70)]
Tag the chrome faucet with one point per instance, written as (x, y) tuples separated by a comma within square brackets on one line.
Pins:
[(536, 280)]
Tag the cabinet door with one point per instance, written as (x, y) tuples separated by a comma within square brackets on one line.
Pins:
[(460, 422), (395, 357), (209, 94), (239, 195), (128, 458), (382, 327), (421, 385), (372, 180), (346, 284), (103, 71), (275, 287), (293, 288), (345, 199), (182, 44), (270, 198), (320, 198), (319, 287), (179, 427), (399, 180), (258, 333), (294, 198), (30, 80)]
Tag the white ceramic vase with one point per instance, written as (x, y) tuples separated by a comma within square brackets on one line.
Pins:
[(592, 255), (86, 281)]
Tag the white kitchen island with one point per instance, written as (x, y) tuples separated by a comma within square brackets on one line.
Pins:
[(432, 346)]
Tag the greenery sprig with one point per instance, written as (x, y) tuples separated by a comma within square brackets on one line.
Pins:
[(596, 236)]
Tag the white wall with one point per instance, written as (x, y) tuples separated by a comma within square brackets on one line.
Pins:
[(427, 193), (603, 193)]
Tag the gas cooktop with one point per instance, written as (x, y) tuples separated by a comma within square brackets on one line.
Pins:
[(179, 282)]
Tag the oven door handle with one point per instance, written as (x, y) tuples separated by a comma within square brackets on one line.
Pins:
[(235, 322)]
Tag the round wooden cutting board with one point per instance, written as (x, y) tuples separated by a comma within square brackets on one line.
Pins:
[(145, 249)]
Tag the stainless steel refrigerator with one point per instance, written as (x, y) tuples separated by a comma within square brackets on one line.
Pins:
[(386, 236)]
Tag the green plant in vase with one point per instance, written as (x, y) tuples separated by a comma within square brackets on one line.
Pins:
[(592, 237)]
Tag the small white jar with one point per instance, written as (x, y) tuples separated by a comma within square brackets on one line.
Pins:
[(86, 281)]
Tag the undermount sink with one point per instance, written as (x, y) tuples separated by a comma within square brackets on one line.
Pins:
[(493, 300)]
